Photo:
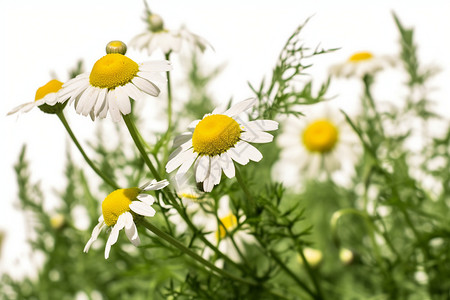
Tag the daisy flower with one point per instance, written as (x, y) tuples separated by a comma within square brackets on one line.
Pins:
[(362, 63), (321, 141), (213, 143), (113, 81), (220, 232), (158, 37), (46, 99), (119, 209)]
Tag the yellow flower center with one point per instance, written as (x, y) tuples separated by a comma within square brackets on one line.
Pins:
[(51, 87), (215, 134), (320, 136), (117, 203), (229, 223), (360, 56), (113, 70)]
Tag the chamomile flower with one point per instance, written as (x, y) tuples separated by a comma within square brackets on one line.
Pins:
[(217, 140), (113, 81), (221, 231), (321, 142), (119, 210), (158, 37), (46, 99), (362, 63)]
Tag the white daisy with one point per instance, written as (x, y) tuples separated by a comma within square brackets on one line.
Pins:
[(118, 209), (45, 99), (362, 63), (158, 37), (114, 79), (220, 232), (319, 143), (217, 140)]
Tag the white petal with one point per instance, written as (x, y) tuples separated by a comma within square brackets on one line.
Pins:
[(202, 168), (112, 104), (236, 153), (251, 152), (123, 102), (240, 107), (156, 66), (227, 165), (187, 145), (179, 159), (87, 101), (26, 107), (154, 77), (216, 170), (95, 232), (260, 125), (51, 99), (132, 234), (132, 91), (112, 239), (102, 114), (146, 86), (181, 139), (155, 185), (186, 165), (256, 136), (146, 198), (142, 209), (101, 101)]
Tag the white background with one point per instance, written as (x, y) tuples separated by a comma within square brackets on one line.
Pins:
[(39, 37)]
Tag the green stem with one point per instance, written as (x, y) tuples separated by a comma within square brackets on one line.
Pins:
[(86, 158), (136, 136), (251, 204), (368, 79), (192, 254)]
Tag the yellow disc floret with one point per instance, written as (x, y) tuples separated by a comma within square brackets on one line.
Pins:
[(360, 56), (51, 87), (215, 134), (117, 203), (113, 70), (320, 136), (229, 223)]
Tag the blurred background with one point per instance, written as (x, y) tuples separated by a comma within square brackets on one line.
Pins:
[(41, 39)]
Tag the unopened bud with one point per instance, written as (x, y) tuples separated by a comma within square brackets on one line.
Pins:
[(116, 47)]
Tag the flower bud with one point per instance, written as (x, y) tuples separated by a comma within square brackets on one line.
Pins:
[(116, 47)]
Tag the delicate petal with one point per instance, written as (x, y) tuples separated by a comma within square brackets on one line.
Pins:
[(252, 153), (51, 99), (256, 136), (202, 168), (131, 230), (146, 198), (26, 107), (184, 147), (186, 165), (237, 153), (216, 170), (240, 107), (112, 239), (113, 108), (142, 209), (87, 101), (146, 86), (181, 139), (193, 124), (179, 159), (260, 125), (155, 185), (123, 101), (227, 165), (95, 232), (132, 91), (101, 102)]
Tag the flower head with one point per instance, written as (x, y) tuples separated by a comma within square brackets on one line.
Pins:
[(158, 37), (45, 99), (113, 80), (119, 209), (362, 63), (217, 140), (322, 141)]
